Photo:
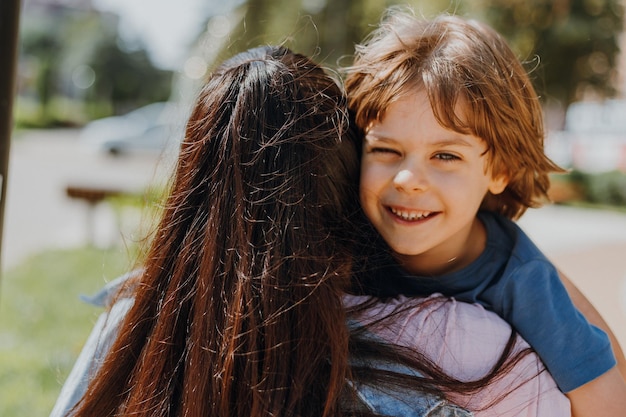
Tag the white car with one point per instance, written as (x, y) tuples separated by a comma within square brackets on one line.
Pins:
[(153, 128)]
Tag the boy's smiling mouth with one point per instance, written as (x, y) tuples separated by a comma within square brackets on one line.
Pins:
[(410, 215)]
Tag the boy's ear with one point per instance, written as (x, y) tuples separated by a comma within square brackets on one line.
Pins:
[(498, 183)]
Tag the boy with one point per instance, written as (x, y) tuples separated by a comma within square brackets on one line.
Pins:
[(453, 153)]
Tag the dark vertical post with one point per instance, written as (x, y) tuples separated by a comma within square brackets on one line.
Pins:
[(9, 24)]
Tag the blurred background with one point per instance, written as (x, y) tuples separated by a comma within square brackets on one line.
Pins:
[(103, 88)]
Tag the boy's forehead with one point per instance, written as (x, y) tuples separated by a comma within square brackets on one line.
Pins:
[(425, 101)]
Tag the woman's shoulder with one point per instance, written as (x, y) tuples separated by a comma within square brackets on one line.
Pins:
[(108, 294), (98, 343)]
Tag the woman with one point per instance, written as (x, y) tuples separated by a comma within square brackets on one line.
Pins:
[(239, 306)]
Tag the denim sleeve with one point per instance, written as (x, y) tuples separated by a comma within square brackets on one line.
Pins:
[(406, 403), (393, 400), (97, 345)]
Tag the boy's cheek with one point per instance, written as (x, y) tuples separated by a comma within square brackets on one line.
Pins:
[(365, 171), (370, 168), (370, 180), (366, 195)]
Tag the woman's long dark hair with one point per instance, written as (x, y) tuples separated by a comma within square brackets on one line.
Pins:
[(238, 311)]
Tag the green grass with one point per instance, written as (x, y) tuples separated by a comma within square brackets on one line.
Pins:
[(43, 323)]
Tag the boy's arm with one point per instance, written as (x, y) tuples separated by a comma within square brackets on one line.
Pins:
[(604, 396), (594, 317)]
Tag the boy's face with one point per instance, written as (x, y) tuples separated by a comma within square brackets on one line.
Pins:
[(422, 185)]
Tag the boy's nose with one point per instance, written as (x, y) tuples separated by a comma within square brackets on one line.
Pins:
[(409, 180)]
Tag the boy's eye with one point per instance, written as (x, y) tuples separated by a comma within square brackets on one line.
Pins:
[(447, 157), (382, 150)]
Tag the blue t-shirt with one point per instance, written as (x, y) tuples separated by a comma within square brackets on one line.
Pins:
[(516, 281)]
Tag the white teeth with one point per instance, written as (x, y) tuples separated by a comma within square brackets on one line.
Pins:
[(410, 215)]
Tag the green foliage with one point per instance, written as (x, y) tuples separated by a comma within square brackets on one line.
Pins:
[(606, 188), (59, 112), (577, 41), (77, 56), (324, 29), (127, 79), (43, 324)]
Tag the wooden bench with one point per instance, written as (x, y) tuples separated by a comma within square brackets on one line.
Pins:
[(92, 195)]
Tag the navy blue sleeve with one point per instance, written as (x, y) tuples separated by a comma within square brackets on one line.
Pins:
[(535, 302)]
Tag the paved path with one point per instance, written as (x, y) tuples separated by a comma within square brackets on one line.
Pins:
[(588, 245), (39, 215)]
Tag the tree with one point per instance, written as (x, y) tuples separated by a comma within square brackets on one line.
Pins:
[(41, 47), (325, 29), (127, 79), (57, 42), (576, 41)]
